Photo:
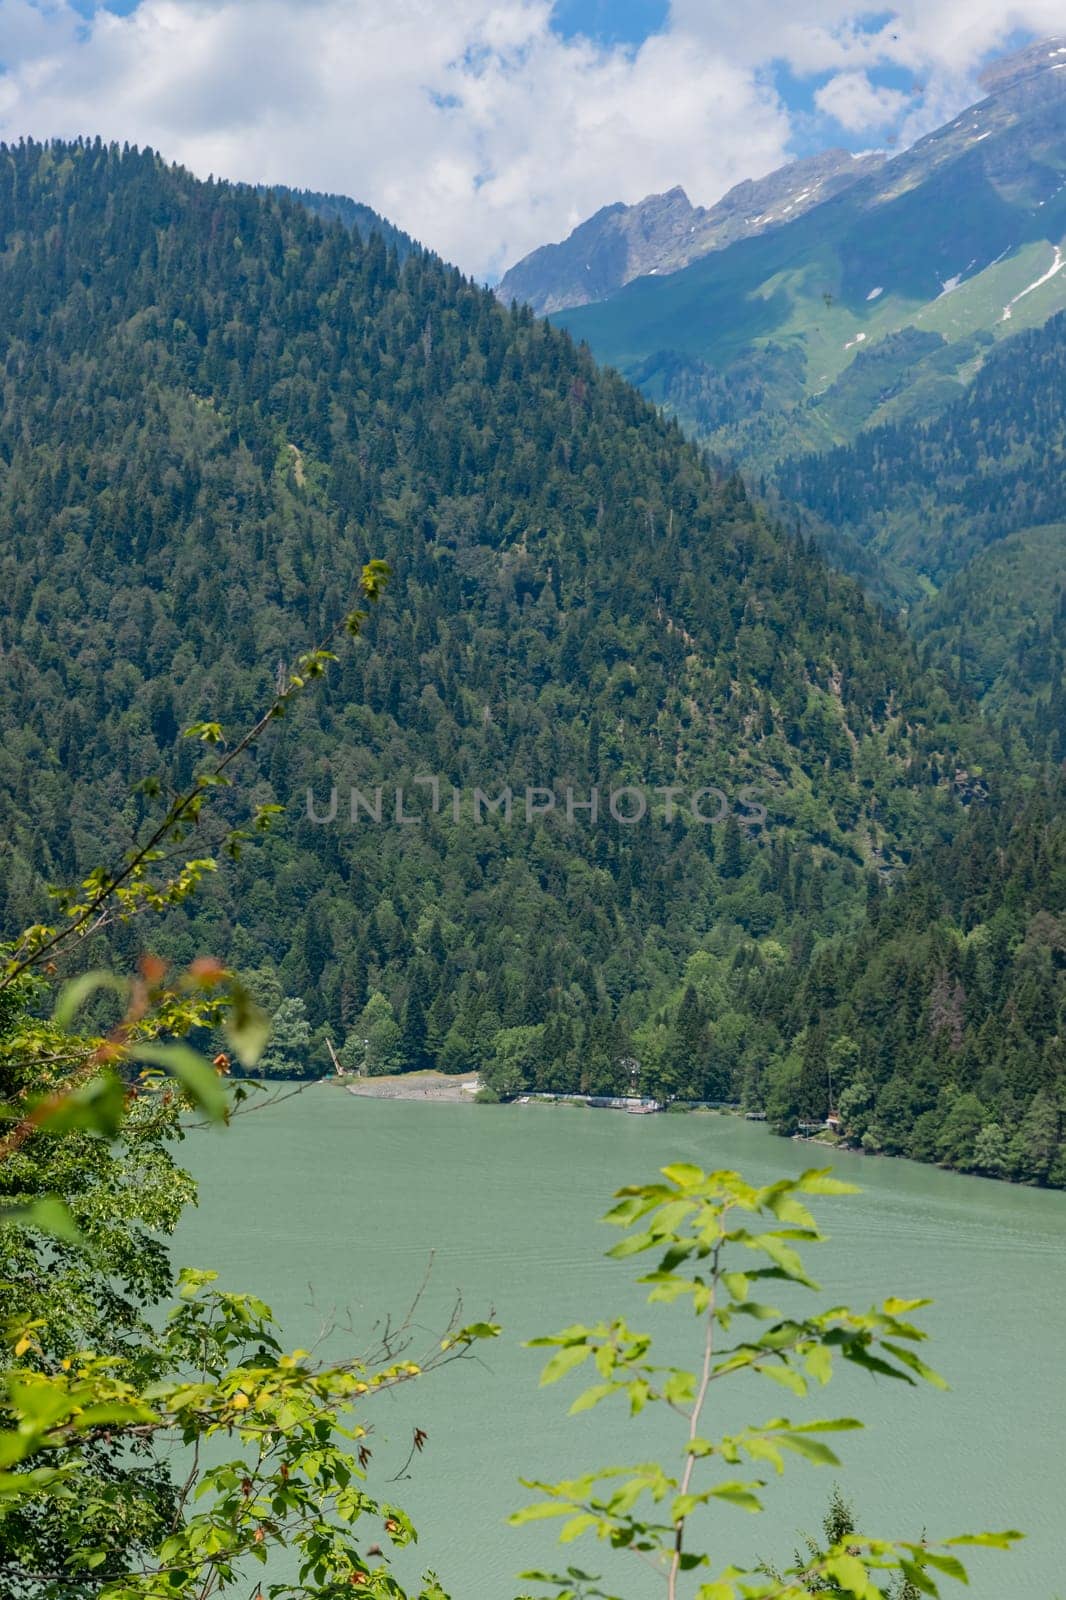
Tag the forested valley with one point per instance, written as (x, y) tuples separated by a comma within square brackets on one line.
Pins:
[(217, 407)]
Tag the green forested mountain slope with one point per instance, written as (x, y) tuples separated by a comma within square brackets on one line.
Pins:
[(918, 510), (938, 1031), (214, 409), (1000, 626), (965, 517), (352, 213), (892, 363), (934, 1029)]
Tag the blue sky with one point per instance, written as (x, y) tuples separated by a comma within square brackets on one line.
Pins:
[(487, 127), (611, 21)]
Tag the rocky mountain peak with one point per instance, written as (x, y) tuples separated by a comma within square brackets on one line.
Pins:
[(664, 232)]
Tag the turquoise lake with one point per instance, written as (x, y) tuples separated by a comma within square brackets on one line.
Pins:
[(332, 1207)]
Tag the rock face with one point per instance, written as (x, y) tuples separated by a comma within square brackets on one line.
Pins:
[(664, 232)]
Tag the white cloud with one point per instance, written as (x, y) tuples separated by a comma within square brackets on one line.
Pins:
[(471, 123), (827, 35), (857, 104)]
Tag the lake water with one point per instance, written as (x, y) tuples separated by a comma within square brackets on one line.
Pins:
[(331, 1206)]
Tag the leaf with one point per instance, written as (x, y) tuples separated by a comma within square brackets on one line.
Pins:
[(48, 1215), (819, 1363), (678, 1251), (826, 1425), (564, 1361), (819, 1181), (206, 732), (539, 1512), (919, 1579), (74, 994), (950, 1565), (988, 1541), (668, 1287), (247, 1026), (786, 1208), (785, 1377), (679, 1387), (754, 1308), (860, 1355), (849, 1573), (738, 1494), (684, 1174), (764, 1450), (96, 1107), (197, 1078), (909, 1359), (786, 1258), (192, 1279), (592, 1397), (633, 1245), (472, 1331), (374, 579), (669, 1217), (738, 1284), (810, 1449), (576, 1526), (638, 1396), (627, 1211)]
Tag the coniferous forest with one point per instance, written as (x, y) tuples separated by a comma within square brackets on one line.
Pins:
[(217, 406)]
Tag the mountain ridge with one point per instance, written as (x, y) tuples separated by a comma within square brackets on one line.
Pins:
[(350, 213), (664, 232), (989, 182), (880, 307), (555, 277)]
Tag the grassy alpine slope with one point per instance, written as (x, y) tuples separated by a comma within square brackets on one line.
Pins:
[(876, 305)]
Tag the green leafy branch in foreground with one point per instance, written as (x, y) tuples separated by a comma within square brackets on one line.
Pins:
[(217, 1372), (56, 1081), (63, 1080), (713, 1261), (110, 893)]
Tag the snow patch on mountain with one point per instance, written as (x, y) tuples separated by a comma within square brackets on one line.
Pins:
[(1057, 263)]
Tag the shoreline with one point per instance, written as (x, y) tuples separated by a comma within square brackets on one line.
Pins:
[(444, 1089), (447, 1088), (441, 1087)]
